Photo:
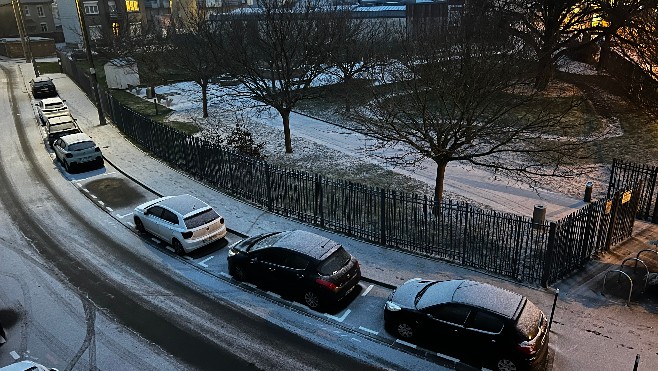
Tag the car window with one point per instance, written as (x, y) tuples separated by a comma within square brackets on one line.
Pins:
[(456, 314), (273, 256), (296, 261), (155, 211), (201, 218), (334, 262), (169, 216), (488, 322), (81, 146)]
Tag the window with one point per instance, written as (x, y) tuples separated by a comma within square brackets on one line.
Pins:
[(40, 11), (295, 261), (112, 6), (272, 256), (135, 29), (456, 314), (27, 11), (169, 216), (91, 7), (155, 211), (487, 322), (202, 218), (44, 27), (132, 6), (95, 32)]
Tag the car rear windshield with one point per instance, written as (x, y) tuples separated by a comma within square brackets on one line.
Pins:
[(201, 218), (530, 320), (334, 262), (81, 146), (53, 105)]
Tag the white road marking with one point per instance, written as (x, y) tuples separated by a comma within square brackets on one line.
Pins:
[(355, 339), (450, 358), (155, 240), (405, 343), (123, 216), (367, 290), (79, 185), (298, 304), (368, 330), (101, 203), (225, 274), (14, 355), (109, 209), (341, 318), (93, 196), (85, 189), (166, 247), (203, 263)]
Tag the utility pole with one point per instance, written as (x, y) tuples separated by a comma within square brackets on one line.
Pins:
[(22, 32), (92, 69)]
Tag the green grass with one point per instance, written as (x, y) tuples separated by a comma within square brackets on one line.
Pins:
[(48, 67)]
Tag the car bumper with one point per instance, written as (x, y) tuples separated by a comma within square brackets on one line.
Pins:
[(190, 245)]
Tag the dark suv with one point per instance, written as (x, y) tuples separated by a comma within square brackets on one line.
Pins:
[(502, 329), (43, 87), (301, 263)]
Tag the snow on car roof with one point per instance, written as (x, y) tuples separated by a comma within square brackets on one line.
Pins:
[(184, 204), (76, 138), (306, 243)]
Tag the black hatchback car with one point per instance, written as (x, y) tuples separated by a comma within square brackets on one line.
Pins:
[(43, 87), (300, 263), (501, 329)]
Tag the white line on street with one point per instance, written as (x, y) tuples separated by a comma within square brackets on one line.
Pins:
[(123, 216), (155, 240), (369, 330), (405, 343), (203, 263), (93, 196), (341, 318), (450, 358), (225, 274), (355, 339), (367, 290), (109, 209), (14, 355), (101, 203), (85, 189)]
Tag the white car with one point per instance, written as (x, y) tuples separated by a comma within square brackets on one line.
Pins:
[(50, 107), (59, 126), (184, 221), (26, 366), (75, 150)]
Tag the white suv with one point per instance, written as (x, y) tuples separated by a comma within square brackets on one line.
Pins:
[(75, 150), (184, 221)]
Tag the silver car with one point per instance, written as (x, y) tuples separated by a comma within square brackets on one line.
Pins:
[(184, 221), (75, 150)]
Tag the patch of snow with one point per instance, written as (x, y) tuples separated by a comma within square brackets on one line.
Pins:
[(577, 68)]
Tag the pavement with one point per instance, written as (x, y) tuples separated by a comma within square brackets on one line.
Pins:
[(590, 331)]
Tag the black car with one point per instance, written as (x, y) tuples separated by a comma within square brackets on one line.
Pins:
[(502, 329), (43, 87), (315, 268)]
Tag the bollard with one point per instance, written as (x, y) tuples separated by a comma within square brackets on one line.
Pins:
[(539, 215), (588, 191), (637, 362), (550, 321)]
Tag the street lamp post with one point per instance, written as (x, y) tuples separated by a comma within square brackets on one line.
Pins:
[(92, 69)]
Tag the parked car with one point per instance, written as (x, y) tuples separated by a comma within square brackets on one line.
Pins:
[(76, 150), (43, 87), (3, 336), (184, 221), (301, 263), (59, 126), (50, 107), (26, 366), (504, 329)]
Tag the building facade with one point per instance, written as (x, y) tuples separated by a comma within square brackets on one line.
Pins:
[(37, 17)]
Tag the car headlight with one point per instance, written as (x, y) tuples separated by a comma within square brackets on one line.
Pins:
[(392, 306), (232, 252)]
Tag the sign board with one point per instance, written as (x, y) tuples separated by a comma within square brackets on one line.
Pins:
[(608, 206), (626, 197)]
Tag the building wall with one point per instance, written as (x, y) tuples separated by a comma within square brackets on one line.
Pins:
[(40, 48), (68, 16)]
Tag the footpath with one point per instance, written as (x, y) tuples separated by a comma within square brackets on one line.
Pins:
[(590, 331)]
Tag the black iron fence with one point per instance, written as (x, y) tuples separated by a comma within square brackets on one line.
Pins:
[(501, 243), (627, 174)]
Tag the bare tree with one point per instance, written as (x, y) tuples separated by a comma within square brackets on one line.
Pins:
[(277, 52), (462, 94)]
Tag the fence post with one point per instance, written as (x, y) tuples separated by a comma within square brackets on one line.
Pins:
[(319, 200), (548, 256), (616, 201), (382, 217), (268, 188)]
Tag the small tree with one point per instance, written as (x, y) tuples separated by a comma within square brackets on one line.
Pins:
[(243, 141)]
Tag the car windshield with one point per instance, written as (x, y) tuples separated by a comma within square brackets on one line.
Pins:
[(81, 146), (201, 218), (422, 291), (530, 320), (53, 105), (334, 262)]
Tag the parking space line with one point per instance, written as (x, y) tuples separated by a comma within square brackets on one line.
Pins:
[(406, 344), (203, 263), (225, 274), (101, 203), (14, 355), (450, 358), (123, 216), (341, 318), (367, 290), (109, 209), (368, 330)]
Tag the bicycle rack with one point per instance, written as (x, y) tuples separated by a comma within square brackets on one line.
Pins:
[(645, 250), (646, 276), (620, 273)]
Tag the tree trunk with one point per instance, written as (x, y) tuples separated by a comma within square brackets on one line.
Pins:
[(204, 96), (438, 184), (544, 71), (604, 53), (285, 116), (347, 93)]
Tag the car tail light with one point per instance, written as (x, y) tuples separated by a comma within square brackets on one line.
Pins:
[(221, 220), (528, 347), (68, 155), (187, 234), (329, 285)]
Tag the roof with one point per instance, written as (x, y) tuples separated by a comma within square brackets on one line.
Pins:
[(52, 100), (77, 138), (307, 243), (476, 294), (60, 119), (183, 204)]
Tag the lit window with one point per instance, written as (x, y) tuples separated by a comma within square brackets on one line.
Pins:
[(44, 27), (91, 7), (40, 11), (115, 28), (132, 6)]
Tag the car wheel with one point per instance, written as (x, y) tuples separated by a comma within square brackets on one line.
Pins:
[(178, 247), (139, 225), (506, 365), (405, 330), (238, 273), (312, 300)]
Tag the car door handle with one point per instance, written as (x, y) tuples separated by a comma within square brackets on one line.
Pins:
[(271, 269)]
